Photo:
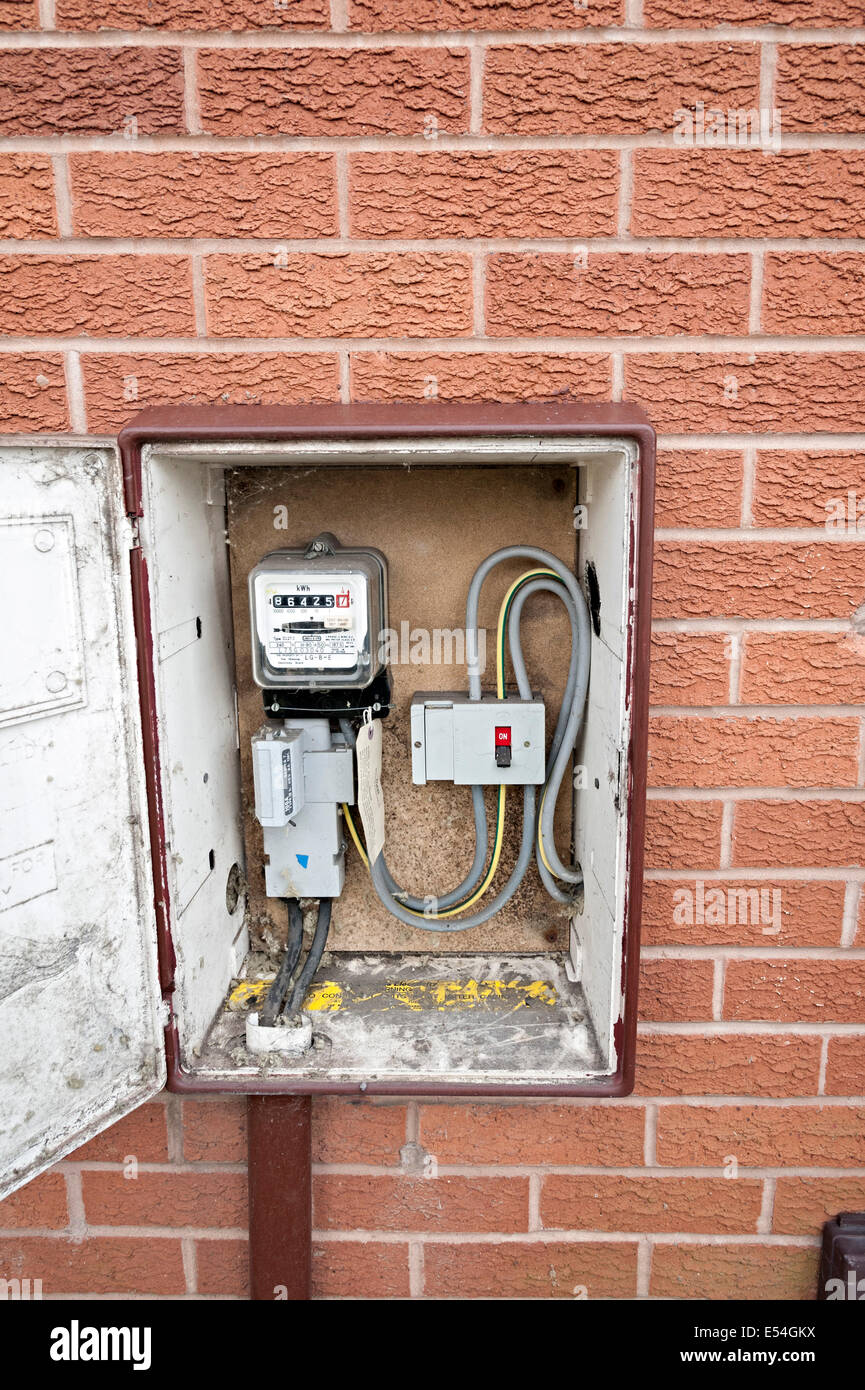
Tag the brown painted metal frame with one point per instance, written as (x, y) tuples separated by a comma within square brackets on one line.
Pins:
[(212, 424)]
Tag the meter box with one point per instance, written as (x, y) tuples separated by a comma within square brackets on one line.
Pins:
[(371, 790)]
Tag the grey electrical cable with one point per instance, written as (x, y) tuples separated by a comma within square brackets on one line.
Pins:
[(280, 986), (475, 873), (313, 959)]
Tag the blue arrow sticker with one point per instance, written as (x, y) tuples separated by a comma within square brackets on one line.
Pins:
[(302, 859)]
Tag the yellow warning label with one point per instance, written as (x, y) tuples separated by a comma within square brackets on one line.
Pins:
[(419, 996)]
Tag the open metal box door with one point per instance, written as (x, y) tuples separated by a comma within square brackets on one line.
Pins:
[(80, 1028)]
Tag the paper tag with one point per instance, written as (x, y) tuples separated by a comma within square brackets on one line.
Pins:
[(370, 799)]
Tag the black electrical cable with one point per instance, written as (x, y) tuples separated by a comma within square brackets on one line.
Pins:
[(279, 988), (313, 959)]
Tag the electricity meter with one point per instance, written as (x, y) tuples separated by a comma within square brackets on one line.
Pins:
[(318, 617)]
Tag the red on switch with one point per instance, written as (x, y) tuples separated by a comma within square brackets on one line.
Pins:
[(503, 736)]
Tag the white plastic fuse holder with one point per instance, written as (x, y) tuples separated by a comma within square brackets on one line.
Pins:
[(486, 742)]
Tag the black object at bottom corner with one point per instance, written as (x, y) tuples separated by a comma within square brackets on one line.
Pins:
[(335, 704)]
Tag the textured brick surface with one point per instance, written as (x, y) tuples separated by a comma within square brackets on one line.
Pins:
[(181, 195), (100, 1265), (611, 87), (197, 15), (741, 912), (41, 1205), (484, 376), (707, 13), (414, 294), (99, 91), (821, 86), (118, 385), (222, 1268), (354, 1269), (141, 1135), (599, 1203), (165, 1199), (26, 196), (32, 392), (757, 579), (689, 669), (845, 1067), (19, 14), (214, 1131), (532, 1271), (787, 991), (813, 292), (674, 991), (374, 16), (729, 1272), (705, 752), (517, 193), (351, 1131), (649, 294), (683, 834), (317, 91), (586, 1134), (770, 391), (344, 1203), (803, 1204), (804, 668), (94, 295), (697, 487), (727, 1065), (809, 487), (747, 193), (799, 834), (825, 1136)]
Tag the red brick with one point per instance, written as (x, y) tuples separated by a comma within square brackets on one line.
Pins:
[(810, 913), (359, 1269), (804, 668), (798, 834), (752, 1272), (808, 487), (600, 1203), (223, 1268), (700, 751), (211, 194), (757, 579), (807, 1136), (165, 1199), (821, 86), (689, 669), (802, 14), (845, 1066), (357, 1131), (344, 1203), (99, 1265), (41, 1205), (94, 295), (545, 1133), (214, 1131), (813, 292), (333, 91), (727, 1064), (381, 294), (393, 16), (486, 376), (26, 196), (683, 834), (140, 1135), (695, 487), (118, 385), (644, 293), (774, 391), (793, 991), (532, 1270), (19, 14), (33, 392), (201, 16), (747, 193), (673, 991), (498, 193), (803, 1204), (612, 87), (91, 91)]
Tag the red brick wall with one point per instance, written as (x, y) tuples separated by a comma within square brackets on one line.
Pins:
[(472, 199)]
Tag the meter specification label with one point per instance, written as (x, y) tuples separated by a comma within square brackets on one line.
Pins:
[(312, 625)]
